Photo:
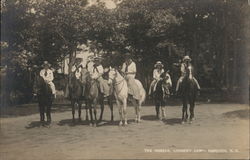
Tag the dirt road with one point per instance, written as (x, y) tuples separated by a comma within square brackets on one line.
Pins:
[(219, 131)]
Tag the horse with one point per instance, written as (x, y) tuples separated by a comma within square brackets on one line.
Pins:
[(188, 93), (161, 94), (44, 96), (121, 96), (76, 95), (94, 97)]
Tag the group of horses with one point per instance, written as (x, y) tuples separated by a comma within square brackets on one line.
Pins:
[(88, 91)]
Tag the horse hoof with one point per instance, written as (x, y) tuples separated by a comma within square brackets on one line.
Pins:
[(182, 122), (125, 123), (94, 125), (120, 124)]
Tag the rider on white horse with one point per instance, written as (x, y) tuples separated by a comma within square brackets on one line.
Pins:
[(47, 74), (129, 69), (156, 75), (186, 64)]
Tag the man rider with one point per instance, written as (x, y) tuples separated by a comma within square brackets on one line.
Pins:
[(184, 65), (47, 74)]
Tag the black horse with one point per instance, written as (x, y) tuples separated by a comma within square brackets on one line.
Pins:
[(161, 94), (44, 96), (188, 93)]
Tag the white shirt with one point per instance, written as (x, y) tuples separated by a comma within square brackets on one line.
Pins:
[(77, 72), (169, 79), (157, 73), (131, 68), (47, 75), (95, 73)]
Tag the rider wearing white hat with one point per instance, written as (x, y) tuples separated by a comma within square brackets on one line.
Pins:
[(47, 74), (186, 63), (157, 72), (129, 69)]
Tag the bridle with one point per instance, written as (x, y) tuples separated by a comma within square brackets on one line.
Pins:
[(118, 82)]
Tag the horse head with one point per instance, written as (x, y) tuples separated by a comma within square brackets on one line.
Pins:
[(41, 87)]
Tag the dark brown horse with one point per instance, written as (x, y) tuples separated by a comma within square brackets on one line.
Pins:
[(44, 96), (161, 94), (188, 92)]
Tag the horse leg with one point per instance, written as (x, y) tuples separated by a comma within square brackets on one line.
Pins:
[(157, 106), (163, 110), (73, 110), (102, 108), (184, 110), (95, 112), (79, 110), (87, 111), (41, 110), (120, 111), (48, 113), (125, 111), (191, 109), (139, 112), (136, 109), (91, 114), (111, 108)]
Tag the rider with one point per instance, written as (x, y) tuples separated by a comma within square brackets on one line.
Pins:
[(47, 74), (129, 69), (186, 64), (156, 75), (96, 73), (77, 68)]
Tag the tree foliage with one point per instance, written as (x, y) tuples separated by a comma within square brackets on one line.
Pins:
[(212, 32)]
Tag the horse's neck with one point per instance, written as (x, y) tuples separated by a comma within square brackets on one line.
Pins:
[(119, 77)]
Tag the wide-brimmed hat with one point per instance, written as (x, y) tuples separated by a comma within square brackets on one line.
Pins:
[(127, 55), (187, 58), (97, 58), (158, 63), (78, 60), (46, 63)]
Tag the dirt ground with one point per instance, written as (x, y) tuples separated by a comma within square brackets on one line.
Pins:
[(219, 131)]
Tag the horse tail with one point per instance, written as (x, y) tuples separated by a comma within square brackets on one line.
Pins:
[(143, 95), (142, 92)]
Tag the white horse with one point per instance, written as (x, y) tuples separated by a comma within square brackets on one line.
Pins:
[(121, 95)]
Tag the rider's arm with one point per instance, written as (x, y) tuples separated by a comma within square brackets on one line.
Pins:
[(42, 73), (155, 74), (132, 68), (123, 67), (50, 76), (169, 80), (183, 69)]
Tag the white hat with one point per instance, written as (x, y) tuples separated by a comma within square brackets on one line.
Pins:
[(187, 58), (46, 63), (158, 63)]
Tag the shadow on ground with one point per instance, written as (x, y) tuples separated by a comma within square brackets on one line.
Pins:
[(242, 114), (149, 118), (69, 122), (172, 121), (37, 124)]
